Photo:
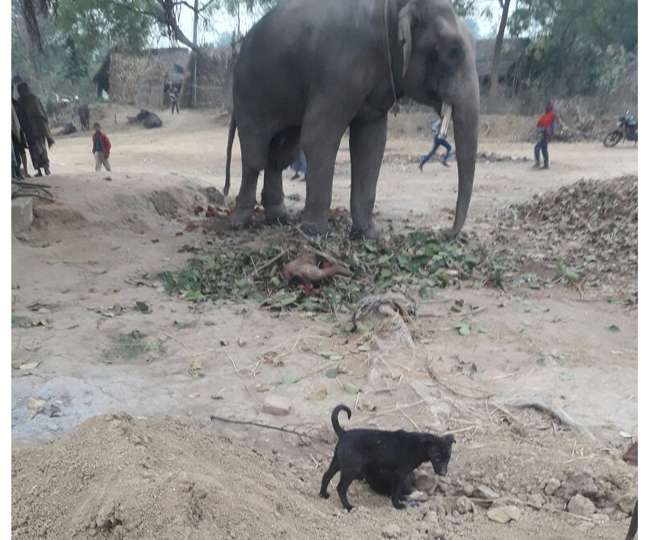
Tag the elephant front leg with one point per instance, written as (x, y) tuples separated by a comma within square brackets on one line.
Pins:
[(321, 157), (273, 196), (367, 144)]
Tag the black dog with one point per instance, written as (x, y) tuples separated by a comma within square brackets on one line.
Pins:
[(371, 452), (381, 481)]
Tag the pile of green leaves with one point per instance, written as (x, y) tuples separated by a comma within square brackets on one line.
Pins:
[(415, 261)]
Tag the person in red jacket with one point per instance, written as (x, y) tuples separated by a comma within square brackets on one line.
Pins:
[(545, 129), (101, 148)]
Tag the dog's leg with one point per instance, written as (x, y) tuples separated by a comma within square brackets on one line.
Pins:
[(342, 489), (327, 477), (397, 491)]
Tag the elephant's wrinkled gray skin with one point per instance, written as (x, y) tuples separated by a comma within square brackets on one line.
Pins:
[(311, 68)]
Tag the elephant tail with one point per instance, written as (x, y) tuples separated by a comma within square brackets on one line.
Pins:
[(231, 137), (335, 419)]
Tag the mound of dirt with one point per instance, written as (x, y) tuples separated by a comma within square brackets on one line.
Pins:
[(118, 477), (587, 232)]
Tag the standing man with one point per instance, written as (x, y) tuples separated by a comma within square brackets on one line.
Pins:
[(299, 165), (545, 130), (101, 148), (439, 131), (18, 139), (16, 133), (84, 117), (36, 128)]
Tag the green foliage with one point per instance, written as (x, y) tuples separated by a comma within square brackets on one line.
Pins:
[(74, 41), (97, 25), (418, 260), (578, 45)]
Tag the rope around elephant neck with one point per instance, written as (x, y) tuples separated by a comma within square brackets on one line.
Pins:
[(395, 106)]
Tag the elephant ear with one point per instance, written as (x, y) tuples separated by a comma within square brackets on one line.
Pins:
[(406, 17)]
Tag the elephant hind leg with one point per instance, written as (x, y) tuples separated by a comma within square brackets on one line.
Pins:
[(245, 204)]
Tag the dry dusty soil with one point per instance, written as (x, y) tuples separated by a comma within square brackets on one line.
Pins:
[(114, 380)]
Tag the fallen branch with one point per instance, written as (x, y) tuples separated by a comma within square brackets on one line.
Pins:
[(434, 376), (556, 412), (269, 263), (266, 426)]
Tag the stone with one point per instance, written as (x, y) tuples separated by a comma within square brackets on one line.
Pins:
[(468, 490), (579, 482), (552, 486), (579, 504), (464, 505), (419, 496), (536, 501), (22, 214), (484, 492), (424, 481), (626, 503), (277, 405), (391, 531), (504, 514)]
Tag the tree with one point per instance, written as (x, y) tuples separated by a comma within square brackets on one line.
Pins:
[(498, 45), (577, 44)]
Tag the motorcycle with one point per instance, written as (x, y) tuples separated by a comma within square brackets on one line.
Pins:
[(627, 129)]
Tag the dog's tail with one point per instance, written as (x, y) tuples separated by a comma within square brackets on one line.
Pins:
[(335, 418), (231, 137)]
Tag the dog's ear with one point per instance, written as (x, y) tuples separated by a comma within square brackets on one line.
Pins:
[(449, 439)]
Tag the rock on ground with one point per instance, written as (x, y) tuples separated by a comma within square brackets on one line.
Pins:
[(581, 505), (277, 405), (504, 514)]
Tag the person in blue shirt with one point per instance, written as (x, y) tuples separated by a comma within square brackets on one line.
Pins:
[(438, 141)]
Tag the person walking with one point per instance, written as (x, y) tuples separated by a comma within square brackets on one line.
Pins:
[(439, 139), (545, 129), (101, 148)]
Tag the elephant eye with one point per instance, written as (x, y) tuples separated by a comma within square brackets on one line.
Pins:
[(456, 52)]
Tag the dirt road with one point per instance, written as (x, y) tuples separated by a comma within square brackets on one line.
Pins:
[(82, 347)]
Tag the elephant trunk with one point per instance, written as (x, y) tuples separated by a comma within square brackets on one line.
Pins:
[(466, 122)]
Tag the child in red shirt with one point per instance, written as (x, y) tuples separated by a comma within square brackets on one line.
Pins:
[(101, 148), (545, 129)]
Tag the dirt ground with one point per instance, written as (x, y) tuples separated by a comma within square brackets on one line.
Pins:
[(81, 348)]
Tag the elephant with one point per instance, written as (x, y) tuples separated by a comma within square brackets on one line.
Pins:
[(310, 69)]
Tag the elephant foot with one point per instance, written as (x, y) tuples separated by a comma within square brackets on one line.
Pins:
[(369, 232), (241, 217), (277, 214), (311, 228)]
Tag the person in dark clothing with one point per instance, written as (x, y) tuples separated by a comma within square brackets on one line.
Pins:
[(19, 140), (84, 117), (36, 128), (545, 129)]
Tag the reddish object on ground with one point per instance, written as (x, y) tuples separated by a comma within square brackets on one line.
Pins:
[(198, 210), (211, 212), (311, 268)]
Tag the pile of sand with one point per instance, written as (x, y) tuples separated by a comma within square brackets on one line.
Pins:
[(587, 232), (118, 477)]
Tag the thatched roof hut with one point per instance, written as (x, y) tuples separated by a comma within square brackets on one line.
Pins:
[(140, 79)]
